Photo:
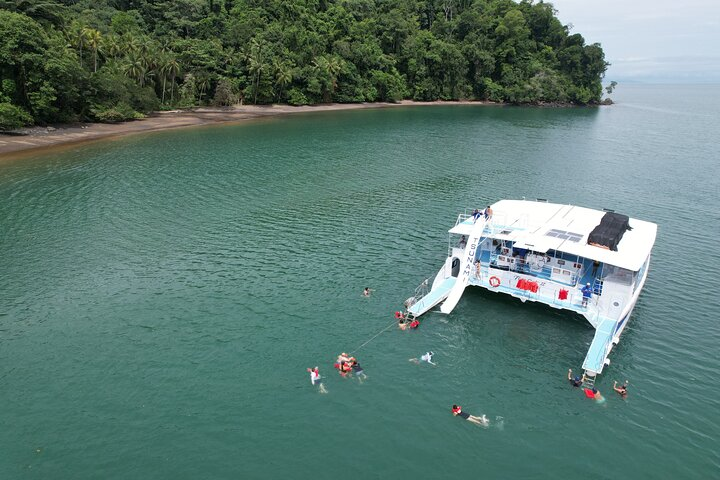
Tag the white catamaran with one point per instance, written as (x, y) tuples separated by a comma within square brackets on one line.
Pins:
[(588, 261)]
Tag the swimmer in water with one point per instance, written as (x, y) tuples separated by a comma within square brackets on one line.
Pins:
[(622, 389), (415, 323), (357, 369), (427, 357), (401, 324), (457, 411), (315, 379), (366, 292), (575, 381), (597, 397)]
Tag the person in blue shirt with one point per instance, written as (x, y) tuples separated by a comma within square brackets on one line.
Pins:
[(587, 294)]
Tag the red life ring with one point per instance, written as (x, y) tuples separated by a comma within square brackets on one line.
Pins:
[(494, 282), (398, 315)]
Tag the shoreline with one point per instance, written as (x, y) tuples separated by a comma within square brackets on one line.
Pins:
[(38, 140)]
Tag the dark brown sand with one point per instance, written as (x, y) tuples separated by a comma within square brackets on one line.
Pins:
[(31, 141)]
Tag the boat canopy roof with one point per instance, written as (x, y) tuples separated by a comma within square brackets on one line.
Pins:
[(541, 226)]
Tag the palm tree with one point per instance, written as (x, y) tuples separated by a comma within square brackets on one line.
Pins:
[(93, 39), (173, 69), (256, 63), (283, 76), (203, 83), (129, 43), (331, 67), (162, 69), (76, 35), (111, 46), (135, 68)]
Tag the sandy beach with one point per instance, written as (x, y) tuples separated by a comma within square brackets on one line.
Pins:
[(30, 141)]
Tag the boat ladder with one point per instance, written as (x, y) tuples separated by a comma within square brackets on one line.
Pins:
[(588, 381)]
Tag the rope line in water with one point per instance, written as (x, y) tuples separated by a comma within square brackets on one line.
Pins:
[(372, 338)]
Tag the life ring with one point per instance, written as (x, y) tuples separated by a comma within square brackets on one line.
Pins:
[(398, 315), (494, 282)]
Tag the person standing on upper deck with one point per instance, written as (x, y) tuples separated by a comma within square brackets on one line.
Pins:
[(488, 213), (587, 294)]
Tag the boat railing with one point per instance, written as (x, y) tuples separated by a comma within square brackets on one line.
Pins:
[(462, 217), (544, 270), (548, 292)]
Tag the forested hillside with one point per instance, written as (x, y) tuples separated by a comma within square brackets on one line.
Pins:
[(107, 60)]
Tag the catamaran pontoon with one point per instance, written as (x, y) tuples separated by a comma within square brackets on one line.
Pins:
[(545, 252)]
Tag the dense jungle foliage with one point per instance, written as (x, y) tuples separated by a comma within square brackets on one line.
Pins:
[(109, 60)]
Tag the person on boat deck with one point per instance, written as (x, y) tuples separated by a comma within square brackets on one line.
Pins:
[(366, 292), (476, 214), (622, 389), (587, 294), (575, 381), (488, 213), (457, 412), (462, 242)]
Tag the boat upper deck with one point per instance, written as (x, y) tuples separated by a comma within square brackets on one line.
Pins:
[(541, 226)]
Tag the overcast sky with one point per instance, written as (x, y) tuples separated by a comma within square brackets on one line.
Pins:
[(651, 40)]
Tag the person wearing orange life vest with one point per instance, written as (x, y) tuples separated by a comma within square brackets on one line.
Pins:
[(457, 411)]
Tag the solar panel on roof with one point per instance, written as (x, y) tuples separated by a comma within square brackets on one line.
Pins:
[(563, 235)]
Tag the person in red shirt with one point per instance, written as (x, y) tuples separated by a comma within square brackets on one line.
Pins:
[(457, 411)]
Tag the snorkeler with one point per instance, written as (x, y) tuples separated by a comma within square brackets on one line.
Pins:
[(457, 411), (426, 357), (622, 389)]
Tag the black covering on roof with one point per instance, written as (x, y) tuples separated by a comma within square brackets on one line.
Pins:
[(610, 231)]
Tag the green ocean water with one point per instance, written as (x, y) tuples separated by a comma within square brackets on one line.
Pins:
[(162, 295)]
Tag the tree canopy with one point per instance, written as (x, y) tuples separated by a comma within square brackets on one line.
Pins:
[(109, 60)]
